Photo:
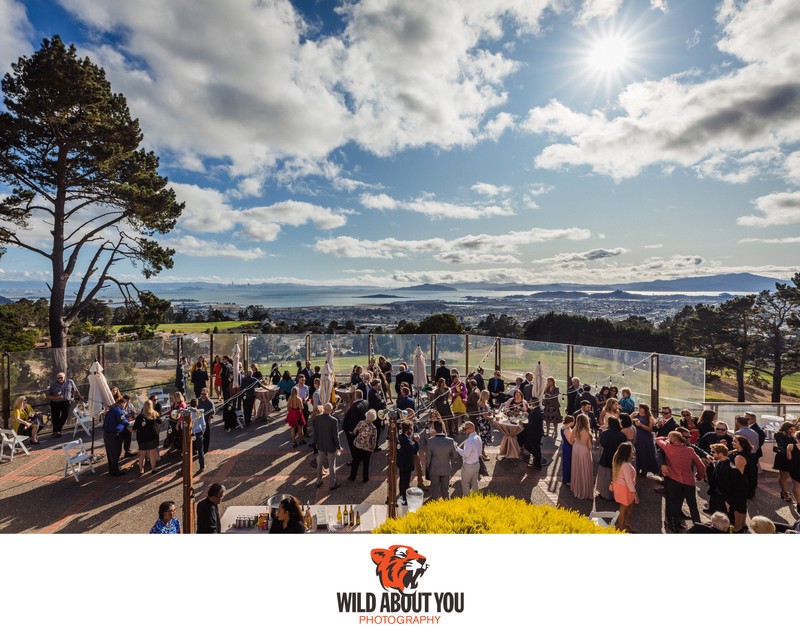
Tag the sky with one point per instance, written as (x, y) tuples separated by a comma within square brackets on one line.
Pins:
[(395, 142)]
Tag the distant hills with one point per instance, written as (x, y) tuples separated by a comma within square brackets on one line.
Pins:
[(255, 292)]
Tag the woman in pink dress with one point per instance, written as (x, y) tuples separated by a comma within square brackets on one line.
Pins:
[(623, 475), (582, 477)]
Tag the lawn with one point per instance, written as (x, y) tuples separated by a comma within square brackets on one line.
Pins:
[(199, 328)]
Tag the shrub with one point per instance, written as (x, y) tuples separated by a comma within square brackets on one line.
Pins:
[(490, 514)]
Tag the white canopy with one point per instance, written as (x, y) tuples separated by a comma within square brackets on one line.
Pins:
[(99, 392), (420, 371)]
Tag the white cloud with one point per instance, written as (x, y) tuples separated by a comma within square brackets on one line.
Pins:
[(399, 74), (462, 249), (694, 40), (654, 246), (428, 205), (750, 109), (15, 33), (659, 5), (792, 167), (777, 209), (381, 201), (775, 240), (191, 246), (207, 210), (739, 169), (490, 190), (589, 255), (600, 9)]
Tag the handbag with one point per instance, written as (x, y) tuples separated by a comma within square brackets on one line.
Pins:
[(482, 470)]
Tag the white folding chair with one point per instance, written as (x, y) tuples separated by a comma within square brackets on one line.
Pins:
[(76, 455), (14, 443), (604, 518), (155, 391), (239, 419), (83, 421)]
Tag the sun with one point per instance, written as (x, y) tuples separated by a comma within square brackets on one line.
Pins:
[(609, 54)]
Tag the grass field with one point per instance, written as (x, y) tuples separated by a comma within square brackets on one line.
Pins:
[(199, 328)]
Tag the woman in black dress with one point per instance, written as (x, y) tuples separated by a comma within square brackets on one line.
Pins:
[(146, 426), (793, 455), (290, 517), (783, 439), (610, 439)]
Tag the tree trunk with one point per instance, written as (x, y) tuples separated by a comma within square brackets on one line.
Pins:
[(740, 396), (777, 375)]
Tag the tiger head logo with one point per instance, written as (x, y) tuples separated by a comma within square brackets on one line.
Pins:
[(399, 567)]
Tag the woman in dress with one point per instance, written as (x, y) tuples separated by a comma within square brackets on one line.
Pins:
[(295, 418), (551, 404), (793, 456), (581, 477), (567, 438), (355, 376), (743, 450), (216, 371), (25, 421), (602, 396), (174, 439), (783, 439), (516, 406), (645, 447), (199, 376), (706, 422), (441, 401), (689, 422), (408, 447), (624, 476), (626, 403), (167, 523), (610, 439), (458, 403), (289, 517), (146, 426), (484, 422), (735, 495), (364, 442), (610, 409), (386, 370)]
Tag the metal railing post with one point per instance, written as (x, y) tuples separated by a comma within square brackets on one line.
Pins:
[(6, 390), (466, 354), (434, 353), (498, 358), (654, 381)]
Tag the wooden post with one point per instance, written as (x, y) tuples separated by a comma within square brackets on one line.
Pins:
[(434, 353), (466, 355), (308, 348), (654, 381), (6, 390), (570, 365), (186, 466), (370, 349), (211, 359), (498, 358), (391, 479)]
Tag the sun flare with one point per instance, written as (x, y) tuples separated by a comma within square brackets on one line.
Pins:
[(609, 54)]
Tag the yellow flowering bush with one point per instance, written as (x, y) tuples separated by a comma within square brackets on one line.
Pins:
[(490, 514)]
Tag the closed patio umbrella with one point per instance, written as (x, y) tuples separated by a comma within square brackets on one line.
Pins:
[(420, 372), (237, 354), (326, 383), (99, 394), (538, 381)]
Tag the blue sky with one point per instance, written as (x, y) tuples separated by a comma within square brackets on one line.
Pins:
[(390, 142)]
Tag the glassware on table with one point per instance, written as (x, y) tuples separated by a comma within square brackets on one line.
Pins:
[(414, 498)]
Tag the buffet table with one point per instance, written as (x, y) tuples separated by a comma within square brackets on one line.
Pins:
[(372, 516)]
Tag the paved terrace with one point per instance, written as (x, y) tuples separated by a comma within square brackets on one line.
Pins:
[(257, 462)]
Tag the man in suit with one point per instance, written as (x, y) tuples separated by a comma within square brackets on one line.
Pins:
[(326, 433), (586, 409), (208, 520), (364, 384), (573, 392), (248, 395), (497, 390), (531, 436), (440, 461), (527, 387), (762, 437), (586, 395), (666, 423), (357, 412), (442, 372), (404, 376), (479, 379)]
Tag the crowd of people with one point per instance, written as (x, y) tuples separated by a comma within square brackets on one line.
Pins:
[(610, 445)]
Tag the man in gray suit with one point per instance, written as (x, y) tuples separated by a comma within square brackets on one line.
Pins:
[(440, 461), (326, 431)]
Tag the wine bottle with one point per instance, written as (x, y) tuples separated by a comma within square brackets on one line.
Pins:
[(345, 517), (307, 517), (358, 519), (339, 515), (352, 516)]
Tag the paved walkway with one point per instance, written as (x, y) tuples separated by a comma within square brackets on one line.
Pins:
[(257, 462)]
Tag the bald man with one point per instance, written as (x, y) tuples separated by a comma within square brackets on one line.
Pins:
[(326, 432)]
